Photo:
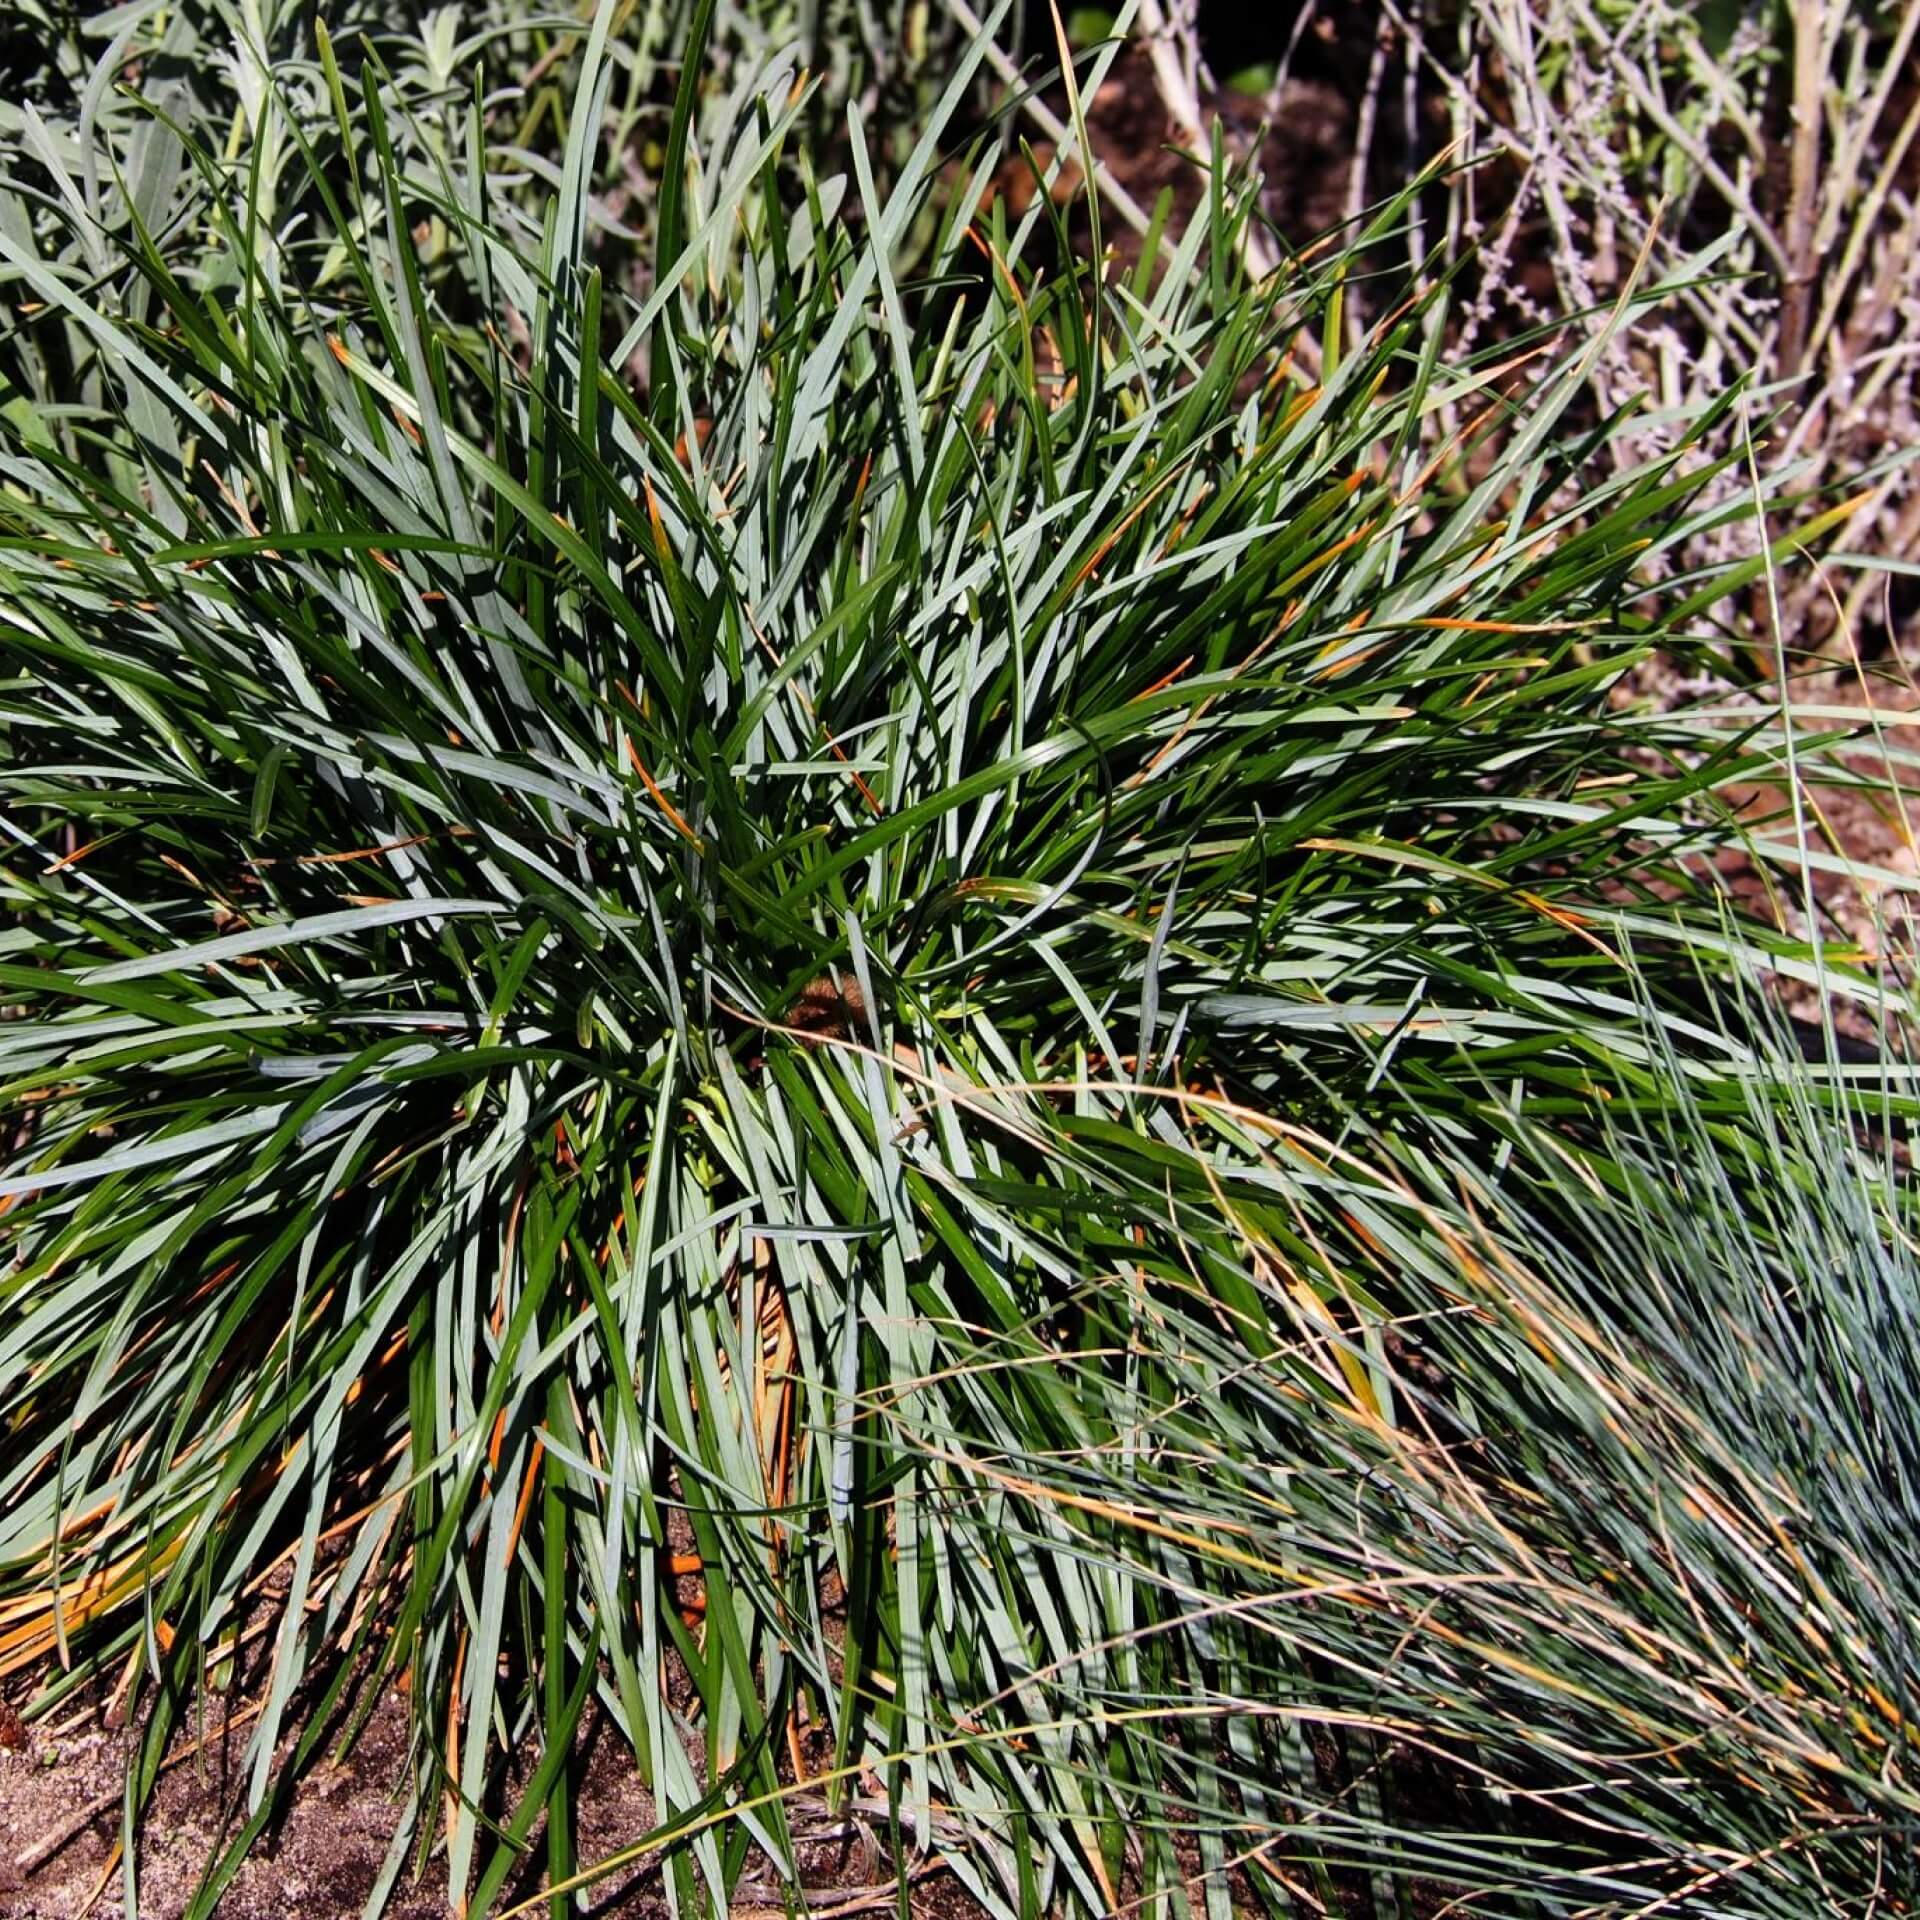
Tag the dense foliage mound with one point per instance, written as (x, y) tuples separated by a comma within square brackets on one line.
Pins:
[(750, 1002)]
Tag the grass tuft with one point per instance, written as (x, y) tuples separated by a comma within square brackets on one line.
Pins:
[(751, 1000)]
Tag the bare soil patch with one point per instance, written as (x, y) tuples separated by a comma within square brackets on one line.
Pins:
[(60, 1823)]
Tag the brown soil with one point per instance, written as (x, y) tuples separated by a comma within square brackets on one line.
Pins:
[(65, 1786), (60, 1818), (1304, 160)]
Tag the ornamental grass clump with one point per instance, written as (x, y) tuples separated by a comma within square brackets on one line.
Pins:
[(1531, 1542), (657, 937)]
